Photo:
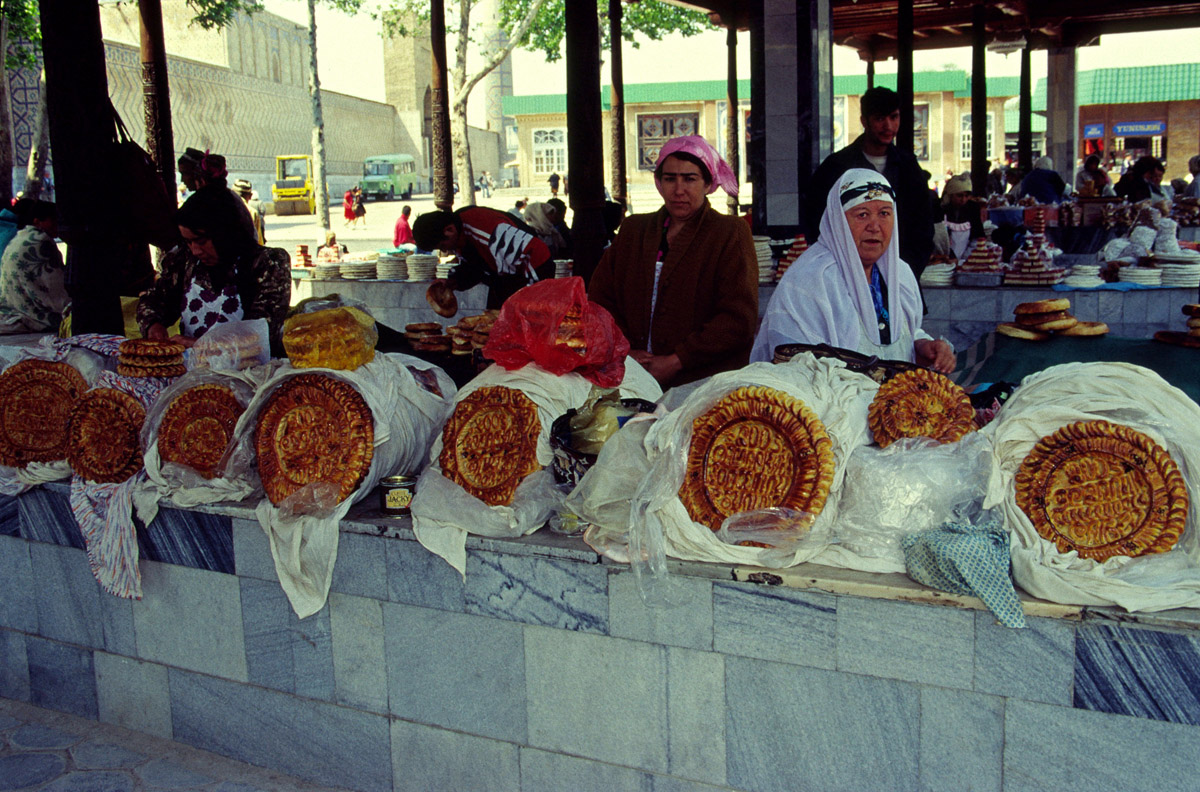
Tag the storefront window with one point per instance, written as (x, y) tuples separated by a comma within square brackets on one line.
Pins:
[(549, 150), (966, 135), (921, 131), (655, 130)]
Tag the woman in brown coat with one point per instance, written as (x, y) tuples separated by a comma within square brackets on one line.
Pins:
[(682, 283)]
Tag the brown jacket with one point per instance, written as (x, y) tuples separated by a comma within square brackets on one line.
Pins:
[(707, 307)]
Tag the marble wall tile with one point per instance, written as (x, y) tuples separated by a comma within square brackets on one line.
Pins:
[(781, 129), (783, 208), (18, 605), (1085, 305), (359, 670), (67, 595), (251, 551), (455, 670), (695, 693), (1004, 657), (937, 301), (427, 758), (312, 654), (314, 740), (14, 666), (790, 727), (116, 622), (1136, 307), (971, 304), (962, 740), (10, 516), (133, 694), (544, 771), (284, 652), (902, 640), (1060, 749), (1110, 307), (361, 567), (192, 619), (416, 576), (46, 516), (1144, 673), (61, 677), (1011, 298), (774, 623), (544, 591), (689, 624), (602, 698), (188, 538)]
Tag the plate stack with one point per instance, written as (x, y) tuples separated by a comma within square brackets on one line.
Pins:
[(422, 266), (1084, 276), (358, 270), (327, 271), (301, 257), (563, 267), (1180, 274), (938, 274), (445, 266), (391, 267), (1146, 276), (766, 264)]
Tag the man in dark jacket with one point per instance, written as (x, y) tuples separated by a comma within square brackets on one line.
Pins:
[(874, 149)]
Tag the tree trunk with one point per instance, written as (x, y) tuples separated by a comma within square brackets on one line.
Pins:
[(6, 137), (617, 92), (156, 92), (459, 137), (39, 149), (318, 133)]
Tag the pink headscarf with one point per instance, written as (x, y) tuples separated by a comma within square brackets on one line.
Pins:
[(698, 147)]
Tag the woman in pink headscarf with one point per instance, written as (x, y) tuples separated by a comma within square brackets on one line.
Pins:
[(682, 283)]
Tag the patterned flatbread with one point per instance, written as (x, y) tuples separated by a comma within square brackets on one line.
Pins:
[(314, 428), (489, 445), (36, 397), (103, 444), (145, 347), (1103, 490), (754, 449), (920, 403), (197, 427)]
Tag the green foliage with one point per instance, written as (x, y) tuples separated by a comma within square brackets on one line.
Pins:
[(649, 19), (404, 17), (24, 33), (215, 14)]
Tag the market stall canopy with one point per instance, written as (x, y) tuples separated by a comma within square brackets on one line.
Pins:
[(869, 26)]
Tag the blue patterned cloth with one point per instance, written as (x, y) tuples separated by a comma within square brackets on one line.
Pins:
[(967, 559)]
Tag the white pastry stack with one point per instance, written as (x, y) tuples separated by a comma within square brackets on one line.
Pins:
[(392, 267), (1179, 274), (766, 264), (1145, 276), (941, 274), (444, 266), (358, 270), (327, 271), (1084, 276), (422, 266)]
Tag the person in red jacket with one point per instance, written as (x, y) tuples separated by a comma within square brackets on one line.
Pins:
[(403, 234), (495, 248)]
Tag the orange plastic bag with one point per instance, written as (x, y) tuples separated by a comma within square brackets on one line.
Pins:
[(551, 323)]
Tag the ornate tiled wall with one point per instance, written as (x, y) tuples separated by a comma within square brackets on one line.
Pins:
[(544, 671)]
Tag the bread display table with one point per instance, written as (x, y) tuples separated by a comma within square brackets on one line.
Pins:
[(393, 303)]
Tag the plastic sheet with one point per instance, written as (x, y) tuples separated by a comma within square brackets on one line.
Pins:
[(232, 346)]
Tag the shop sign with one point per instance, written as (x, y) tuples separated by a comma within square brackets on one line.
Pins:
[(1093, 130), (1135, 128)]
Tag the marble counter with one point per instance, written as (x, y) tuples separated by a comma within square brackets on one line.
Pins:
[(543, 669), (393, 303)]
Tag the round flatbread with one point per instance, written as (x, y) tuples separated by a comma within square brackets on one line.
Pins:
[(36, 397), (1178, 339), (1086, 329), (756, 448), (197, 426), (920, 403), (441, 298), (1023, 333), (177, 370), (1055, 325), (314, 427), (104, 436), (1044, 306), (1028, 319), (489, 445), (1103, 490), (1191, 309), (145, 347), (1193, 321)]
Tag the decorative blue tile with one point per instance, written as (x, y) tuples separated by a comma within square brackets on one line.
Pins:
[(876, 637), (68, 597), (316, 741), (962, 740), (599, 697), (1060, 749), (18, 605), (187, 538), (1137, 672), (774, 623), (61, 677), (688, 624), (14, 666), (10, 516), (544, 591), (457, 671), (46, 516), (790, 727), (1004, 656), (416, 576), (428, 758), (361, 567)]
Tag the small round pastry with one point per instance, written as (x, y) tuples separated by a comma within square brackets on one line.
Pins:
[(920, 403), (1024, 333), (1191, 309), (1065, 323), (1043, 306), (1086, 329)]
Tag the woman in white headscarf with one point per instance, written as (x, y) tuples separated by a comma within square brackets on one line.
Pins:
[(850, 289)]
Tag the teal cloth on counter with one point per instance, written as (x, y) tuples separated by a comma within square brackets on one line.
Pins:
[(967, 559)]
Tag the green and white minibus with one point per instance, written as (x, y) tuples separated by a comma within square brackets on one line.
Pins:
[(386, 176)]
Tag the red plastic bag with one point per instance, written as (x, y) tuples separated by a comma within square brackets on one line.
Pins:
[(551, 323)]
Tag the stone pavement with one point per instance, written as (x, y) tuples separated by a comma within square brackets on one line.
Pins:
[(51, 751)]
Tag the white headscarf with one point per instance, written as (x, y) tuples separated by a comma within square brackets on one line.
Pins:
[(825, 298)]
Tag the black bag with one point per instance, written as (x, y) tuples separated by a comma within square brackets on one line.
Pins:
[(142, 210), (874, 367)]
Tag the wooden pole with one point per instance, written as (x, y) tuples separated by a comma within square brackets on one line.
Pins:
[(585, 146), (620, 190), (904, 74), (1025, 124), (979, 115), (731, 118), (443, 184), (156, 92)]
